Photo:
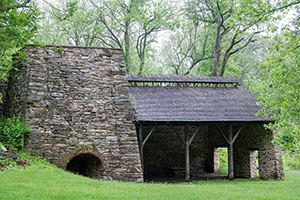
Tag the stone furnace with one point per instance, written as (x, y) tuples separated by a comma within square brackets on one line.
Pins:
[(88, 117)]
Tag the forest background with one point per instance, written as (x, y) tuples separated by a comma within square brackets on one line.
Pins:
[(251, 40)]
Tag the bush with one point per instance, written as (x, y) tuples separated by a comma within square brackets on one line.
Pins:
[(292, 161), (13, 129)]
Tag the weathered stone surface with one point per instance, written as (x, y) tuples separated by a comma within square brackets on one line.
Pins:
[(76, 100)]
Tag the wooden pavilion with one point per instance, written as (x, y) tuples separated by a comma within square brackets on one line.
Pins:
[(215, 105)]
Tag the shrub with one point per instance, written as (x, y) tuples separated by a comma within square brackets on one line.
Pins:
[(13, 129), (292, 160)]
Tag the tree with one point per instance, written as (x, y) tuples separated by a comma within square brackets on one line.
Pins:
[(150, 24), (132, 22), (186, 48), (236, 20), (281, 86), (81, 28), (18, 27), (131, 25), (248, 60)]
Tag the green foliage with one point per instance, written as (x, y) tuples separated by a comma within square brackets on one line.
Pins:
[(94, 146), (25, 162), (84, 146), (292, 161), (223, 160), (2, 147), (18, 27), (59, 50), (7, 163), (187, 50), (13, 129), (36, 162), (131, 25), (75, 27), (289, 141), (233, 24), (68, 11), (281, 86)]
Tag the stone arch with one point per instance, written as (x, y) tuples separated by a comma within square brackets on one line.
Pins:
[(86, 162)]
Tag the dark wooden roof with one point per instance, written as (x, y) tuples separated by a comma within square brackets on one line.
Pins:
[(180, 79), (194, 104)]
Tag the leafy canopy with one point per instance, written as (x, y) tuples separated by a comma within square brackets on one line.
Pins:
[(18, 26), (281, 86)]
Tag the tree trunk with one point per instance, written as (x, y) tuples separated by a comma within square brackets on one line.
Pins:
[(142, 63), (127, 48), (224, 65), (142, 53), (217, 52)]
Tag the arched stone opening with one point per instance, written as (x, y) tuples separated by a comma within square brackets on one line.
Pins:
[(87, 165), (86, 162)]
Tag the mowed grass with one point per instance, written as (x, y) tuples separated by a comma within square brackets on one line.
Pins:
[(44, 182)]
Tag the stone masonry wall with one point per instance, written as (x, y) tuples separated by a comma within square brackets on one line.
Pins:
[(253, 167), (216, 160), (253, 137), (269, 155), (78, 97)]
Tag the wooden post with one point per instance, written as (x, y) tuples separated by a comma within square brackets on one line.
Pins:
[(22, 142), (230, 154), (10, 149), (187, 156), (230, 142), (141, 147)]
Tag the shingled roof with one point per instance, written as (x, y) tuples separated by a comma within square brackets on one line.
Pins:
[(180, 79), (192, 104)]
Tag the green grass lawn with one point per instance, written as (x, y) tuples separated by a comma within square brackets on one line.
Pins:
[(47, 182)]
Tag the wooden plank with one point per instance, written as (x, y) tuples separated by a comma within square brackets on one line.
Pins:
[(192, 138), (149, 134), (141, 147), (178, 135), (187, 156), (230, 154)]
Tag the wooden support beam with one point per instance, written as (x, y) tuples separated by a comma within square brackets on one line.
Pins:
[(230, 154), (192, 138), (223, 135), (141, 147), (149, 135), (236, 135), (230, 142), (187, 156), (178, 135)]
